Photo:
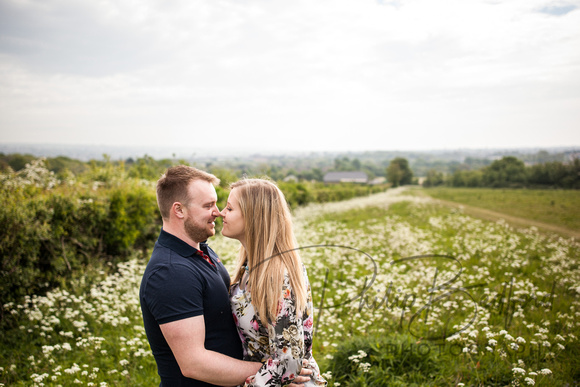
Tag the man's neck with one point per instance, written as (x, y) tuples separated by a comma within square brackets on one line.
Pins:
[(180, 233)]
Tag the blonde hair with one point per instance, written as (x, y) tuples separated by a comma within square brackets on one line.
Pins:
[(271, 247), (172, 186)]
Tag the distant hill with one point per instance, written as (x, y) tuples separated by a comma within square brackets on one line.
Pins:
[(96, 152)]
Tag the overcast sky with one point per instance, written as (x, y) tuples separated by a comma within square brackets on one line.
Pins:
[(291, 75)]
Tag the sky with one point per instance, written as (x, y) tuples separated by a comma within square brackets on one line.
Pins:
[(270, 75)]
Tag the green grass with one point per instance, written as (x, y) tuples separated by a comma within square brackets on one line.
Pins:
[(516, 339), (556, 207)]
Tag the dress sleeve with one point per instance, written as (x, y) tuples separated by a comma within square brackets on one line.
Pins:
[(286, 344)]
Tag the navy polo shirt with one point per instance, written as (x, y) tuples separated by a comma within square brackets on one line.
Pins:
[(179, 283)]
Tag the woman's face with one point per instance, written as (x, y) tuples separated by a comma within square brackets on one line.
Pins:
[(233, 219)]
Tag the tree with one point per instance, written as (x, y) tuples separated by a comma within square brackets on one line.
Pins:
[(434, 179), (399, 173), (507, 172)]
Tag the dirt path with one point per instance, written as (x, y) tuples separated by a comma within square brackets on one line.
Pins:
[(513, 220)]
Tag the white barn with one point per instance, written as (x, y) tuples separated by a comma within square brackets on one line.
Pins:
[(346, 177)]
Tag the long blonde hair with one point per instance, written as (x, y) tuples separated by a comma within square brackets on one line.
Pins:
[(271, 247)]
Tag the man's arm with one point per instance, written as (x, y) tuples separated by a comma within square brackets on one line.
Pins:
[(187, 338)]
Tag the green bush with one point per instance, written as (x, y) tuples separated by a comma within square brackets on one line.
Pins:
[(49, 233), (299, 194), (382, 361)]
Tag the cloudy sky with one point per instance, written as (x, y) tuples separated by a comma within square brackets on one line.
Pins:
[(291, 75)]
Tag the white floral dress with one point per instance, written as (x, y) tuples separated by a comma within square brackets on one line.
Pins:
[(281, 345)]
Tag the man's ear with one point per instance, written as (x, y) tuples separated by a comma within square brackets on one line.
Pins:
[(178, 210)]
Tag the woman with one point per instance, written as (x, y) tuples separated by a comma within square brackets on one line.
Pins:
[(270, 295)]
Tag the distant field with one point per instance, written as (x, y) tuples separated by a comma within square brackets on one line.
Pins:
[(556, 207)]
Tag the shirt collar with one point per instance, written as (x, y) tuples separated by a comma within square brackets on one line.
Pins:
[(179, 246)]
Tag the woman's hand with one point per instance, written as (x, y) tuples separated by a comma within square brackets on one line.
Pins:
[(303, 377)]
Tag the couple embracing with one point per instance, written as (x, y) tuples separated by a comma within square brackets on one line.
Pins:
[(202, 329)]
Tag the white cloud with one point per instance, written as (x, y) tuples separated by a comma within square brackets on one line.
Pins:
[(339, 74)]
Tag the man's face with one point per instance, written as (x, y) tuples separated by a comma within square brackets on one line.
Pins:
[(201, 211)]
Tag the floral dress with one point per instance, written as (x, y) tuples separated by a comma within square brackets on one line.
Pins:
[(282, 344)]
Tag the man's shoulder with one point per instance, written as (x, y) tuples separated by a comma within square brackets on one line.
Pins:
[(167, 260)]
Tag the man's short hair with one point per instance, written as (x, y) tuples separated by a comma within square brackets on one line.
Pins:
[(172, 186)]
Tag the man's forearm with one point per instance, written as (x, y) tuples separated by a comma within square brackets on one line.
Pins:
[(186, 338), (216, 368)]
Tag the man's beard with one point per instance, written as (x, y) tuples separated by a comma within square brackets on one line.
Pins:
[(195, 232)]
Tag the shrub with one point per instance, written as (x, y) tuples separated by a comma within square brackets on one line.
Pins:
[(381, 361), (50, 230)]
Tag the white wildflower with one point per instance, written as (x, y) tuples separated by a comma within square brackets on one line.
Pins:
[(364, 367)]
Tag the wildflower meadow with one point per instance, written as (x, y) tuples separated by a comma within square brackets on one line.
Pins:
[(407, 292)]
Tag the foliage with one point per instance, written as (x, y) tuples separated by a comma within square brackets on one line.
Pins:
[(524, 284), (507, 172), (14, 162), (51, 229), (383, 361), (510, 172), (433, 179), (302, 193), (89, 331), (399, 173), (555, 174)]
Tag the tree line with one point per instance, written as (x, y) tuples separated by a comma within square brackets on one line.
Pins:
[(510, 172)]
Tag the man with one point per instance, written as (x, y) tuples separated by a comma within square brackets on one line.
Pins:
[(184, 291)]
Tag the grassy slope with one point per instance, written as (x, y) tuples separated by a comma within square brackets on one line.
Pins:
[(556, 207)]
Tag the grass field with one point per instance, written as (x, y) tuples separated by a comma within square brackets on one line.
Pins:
[(478, 304), (557, 207)]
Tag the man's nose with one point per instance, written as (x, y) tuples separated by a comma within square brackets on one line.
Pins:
[(216, 211)]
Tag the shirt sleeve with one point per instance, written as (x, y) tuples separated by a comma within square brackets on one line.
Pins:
[(174, 292), (286, 344)]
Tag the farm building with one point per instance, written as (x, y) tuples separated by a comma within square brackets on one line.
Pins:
[(346, 177)]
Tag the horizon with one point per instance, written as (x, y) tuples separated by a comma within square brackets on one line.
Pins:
[(97, 151)]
